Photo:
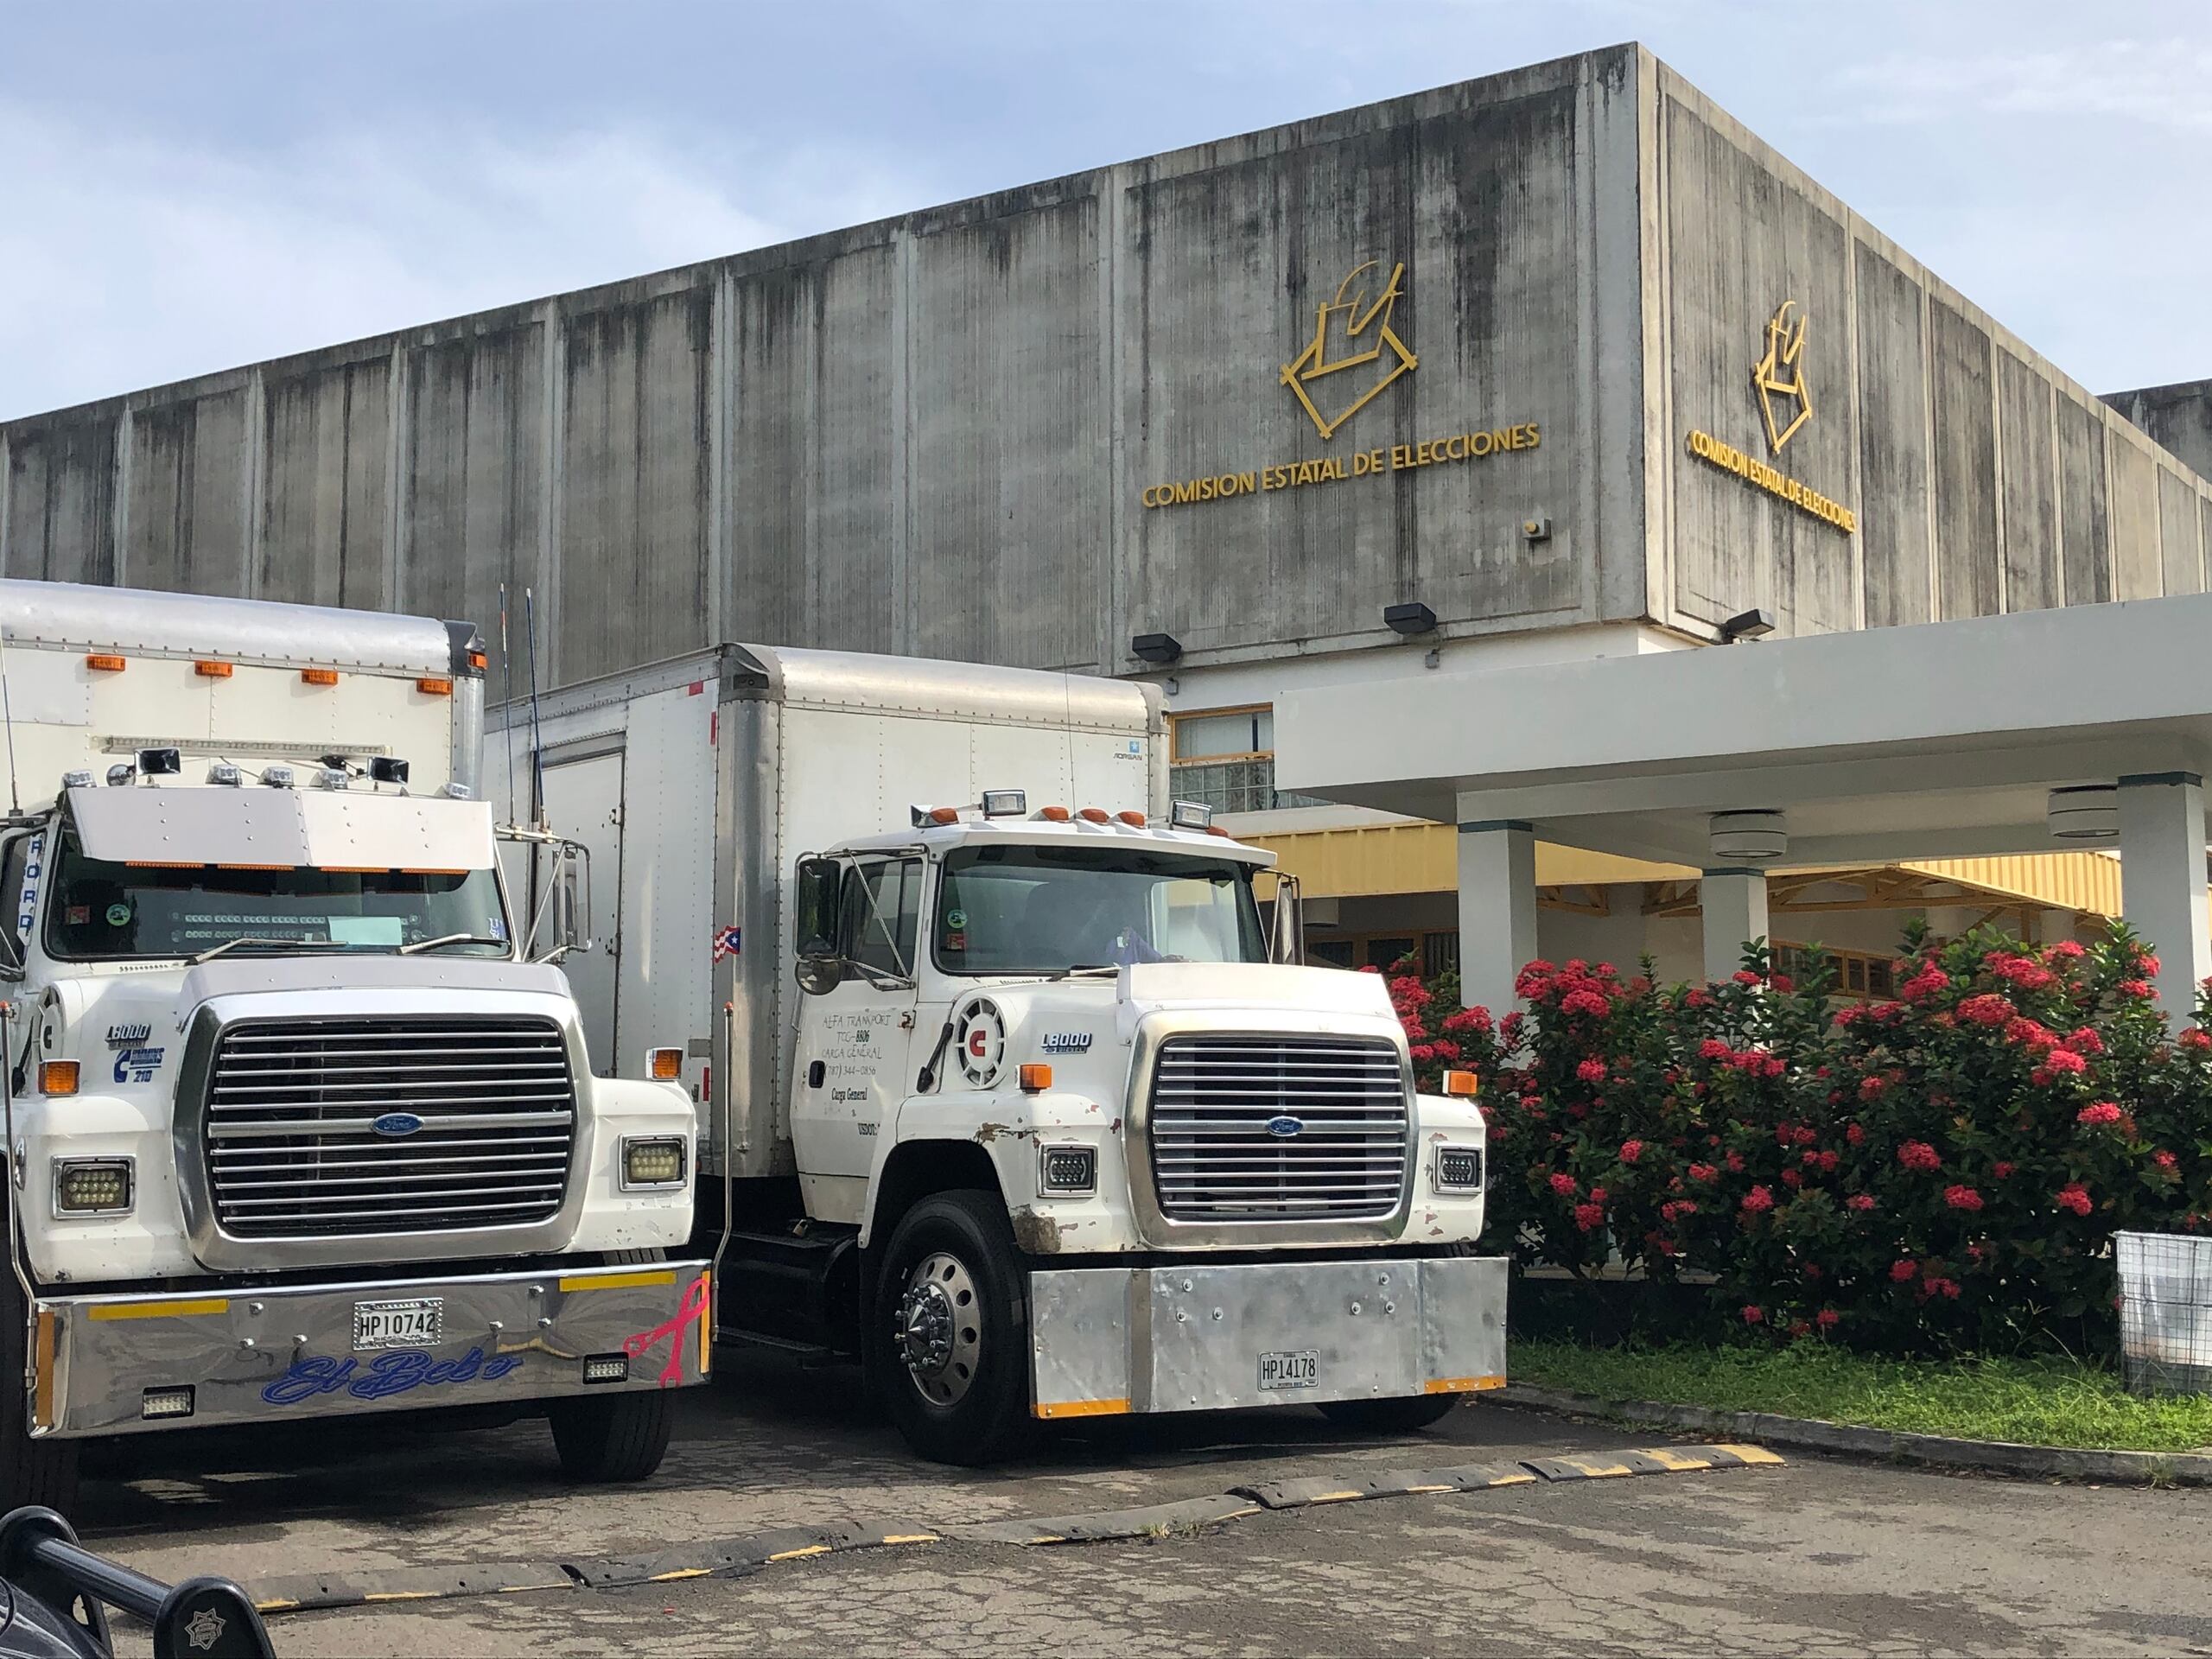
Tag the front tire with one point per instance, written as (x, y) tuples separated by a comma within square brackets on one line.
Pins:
[(1400, 1415), (948, 1331), (616, 1437)]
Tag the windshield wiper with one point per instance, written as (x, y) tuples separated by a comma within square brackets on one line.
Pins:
[(1080, 967), (453, 938), (280, 945)]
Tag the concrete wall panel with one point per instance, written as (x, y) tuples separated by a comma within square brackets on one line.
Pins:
[(1743, 242), (2085, 525), (1893, 516), (2029, 476), (2137, 568), (473, 474), (61, 500), (185, 514), (813, 459), (2181, 555), (1969, 579), (632, 559), (2177, 418), (324, 517), (1007, 483)]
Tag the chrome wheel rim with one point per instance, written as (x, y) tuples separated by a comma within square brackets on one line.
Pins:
[(939, 1328)]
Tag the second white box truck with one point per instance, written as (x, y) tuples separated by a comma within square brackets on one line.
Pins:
[(999, 1087)]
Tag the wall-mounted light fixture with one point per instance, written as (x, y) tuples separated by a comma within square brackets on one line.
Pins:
[(1747, 625), (1411, 618), (1161, 648)]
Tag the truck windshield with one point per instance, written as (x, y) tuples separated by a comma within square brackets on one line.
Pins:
[(99, 910), (1044, 909)]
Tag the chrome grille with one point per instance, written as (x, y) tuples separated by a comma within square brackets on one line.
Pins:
[(1214, 1158), (290, 1143)]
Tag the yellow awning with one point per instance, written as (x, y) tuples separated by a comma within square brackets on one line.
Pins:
[(1393, 858)]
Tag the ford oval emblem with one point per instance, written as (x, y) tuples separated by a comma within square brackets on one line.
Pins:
[(1285, 1126), (396, 1124)]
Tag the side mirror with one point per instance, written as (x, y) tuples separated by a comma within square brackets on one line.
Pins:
[(816, 891), (572, 897), (1287, 938)]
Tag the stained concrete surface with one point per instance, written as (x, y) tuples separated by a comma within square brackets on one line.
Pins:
[(1819, 1556)]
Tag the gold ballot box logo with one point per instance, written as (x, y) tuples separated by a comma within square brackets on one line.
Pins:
[(1779, 377), (1350, 333)]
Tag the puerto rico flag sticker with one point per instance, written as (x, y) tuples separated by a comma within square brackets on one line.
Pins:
[(727, 940)]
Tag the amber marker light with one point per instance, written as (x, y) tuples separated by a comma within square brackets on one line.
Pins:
[(1036, 1079), (101, 662), (57, 1077), (434, 687), (1465, 1084), (319, 676), (208, 670)]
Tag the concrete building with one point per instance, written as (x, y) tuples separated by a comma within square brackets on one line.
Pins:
[(1562, 363)]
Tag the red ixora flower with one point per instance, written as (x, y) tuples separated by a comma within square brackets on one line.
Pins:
[(2196, 1038), (1872, 1087), (1859, 1201), (1744, 977), (2098, 1115), (1585, 1002), (2065, 950), (2004, 1170), (1918, 1155), (2140, 988), (1903, 1269), (1987, 1009), (1590, 1070), (2085, 1040), (2163, 1159), (1753, 1313), (2074, 1196), (2061, 1062), (1566, 1185), (1702, 1171), (1735, 1163), (1714, 1049), (1963, 1198), (1758, 1200), (1828, 1318), (1853, 1133), (1924, 984), (1631, 1151), (1589, 1217)]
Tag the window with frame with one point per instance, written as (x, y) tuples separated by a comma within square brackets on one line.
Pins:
[(1862, 976), (881, 913), (1226, 758)]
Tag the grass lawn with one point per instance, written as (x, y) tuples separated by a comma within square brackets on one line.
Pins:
[(2040, 1401)]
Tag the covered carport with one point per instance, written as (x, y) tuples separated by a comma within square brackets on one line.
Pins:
[(2043, 732)]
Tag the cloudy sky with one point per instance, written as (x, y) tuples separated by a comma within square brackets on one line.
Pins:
[(188, 187)]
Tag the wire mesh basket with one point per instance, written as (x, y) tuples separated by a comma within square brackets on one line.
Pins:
[(2165, 1312)]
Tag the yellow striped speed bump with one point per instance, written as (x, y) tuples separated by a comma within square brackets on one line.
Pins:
[(1155, 1520), (1651, 1461), (1396, 1483)]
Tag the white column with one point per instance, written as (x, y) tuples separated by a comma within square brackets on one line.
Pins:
[(2162, 880), (1497, 910), (1734, 903)]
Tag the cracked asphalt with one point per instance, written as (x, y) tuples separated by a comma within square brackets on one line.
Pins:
[(1819, 1556)]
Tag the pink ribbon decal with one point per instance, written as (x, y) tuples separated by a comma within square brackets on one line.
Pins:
[(694, 1304)]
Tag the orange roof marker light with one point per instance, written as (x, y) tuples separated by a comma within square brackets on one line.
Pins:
[(319, 676), (1135, 820), (478, 660), (101, 662), (1054, 814), (211, 670), (432, 686), (1094, 814)]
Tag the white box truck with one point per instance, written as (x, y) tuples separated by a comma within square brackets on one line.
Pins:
[(1000, 1089), (294, 1127)]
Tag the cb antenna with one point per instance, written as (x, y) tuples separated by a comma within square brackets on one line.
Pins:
[(507, 665), (7, 718), (536, 746)]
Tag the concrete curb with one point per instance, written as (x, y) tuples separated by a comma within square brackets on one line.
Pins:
[(1811, 1434)]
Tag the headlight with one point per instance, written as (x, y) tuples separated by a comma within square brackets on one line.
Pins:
[(651, 1163), (1458, 1169), (91, 1186), (1067, 1171)]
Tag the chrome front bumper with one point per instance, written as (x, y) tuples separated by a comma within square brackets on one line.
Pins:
[(1108, 1341), (254, 1355)]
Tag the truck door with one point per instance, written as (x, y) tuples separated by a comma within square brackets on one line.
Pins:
[(854, 1044), (583, 799)]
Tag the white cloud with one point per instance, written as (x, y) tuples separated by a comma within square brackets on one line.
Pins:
[(126, 261), (2158, 82)]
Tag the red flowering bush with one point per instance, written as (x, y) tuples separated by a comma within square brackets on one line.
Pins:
[(1944, 1171)]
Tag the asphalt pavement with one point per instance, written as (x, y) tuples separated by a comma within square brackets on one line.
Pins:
[(1815, 1557)]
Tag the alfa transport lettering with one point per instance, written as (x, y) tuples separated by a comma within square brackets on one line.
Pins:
[(1357, 463)]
